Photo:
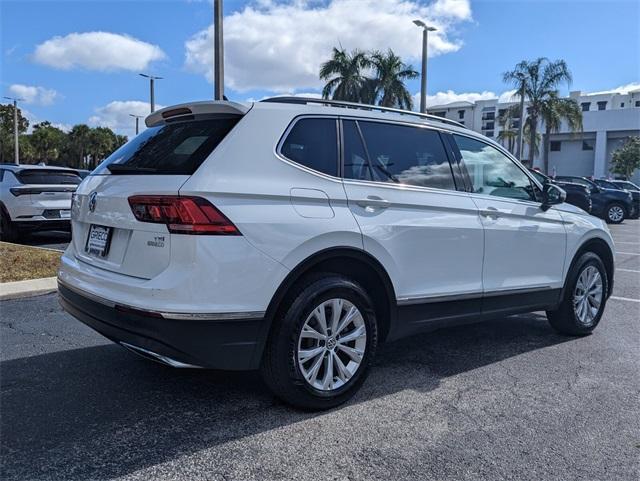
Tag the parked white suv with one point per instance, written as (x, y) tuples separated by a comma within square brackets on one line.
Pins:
[(295, 235), (35, 197)]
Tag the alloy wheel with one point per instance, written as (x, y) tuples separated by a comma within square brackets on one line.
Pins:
[(588, 295), (332, 344), (616, 214)]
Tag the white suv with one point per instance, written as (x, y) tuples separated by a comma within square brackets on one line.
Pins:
[(34, 197), (294, 235)]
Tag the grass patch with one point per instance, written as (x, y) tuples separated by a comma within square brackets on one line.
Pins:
[(20, 263)]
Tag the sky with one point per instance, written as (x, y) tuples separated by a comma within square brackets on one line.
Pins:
[(78, 61)]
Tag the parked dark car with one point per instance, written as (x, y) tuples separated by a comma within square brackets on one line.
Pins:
[(577, 194), (627, 186), (612, 205)]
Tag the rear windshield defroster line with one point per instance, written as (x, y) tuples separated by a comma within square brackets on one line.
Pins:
[(177, 148)]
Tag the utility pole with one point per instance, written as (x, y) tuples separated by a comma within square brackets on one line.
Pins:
[(218, 51), (152, 98), (137, 117), (423, 79), (519, 152), (16, 145)]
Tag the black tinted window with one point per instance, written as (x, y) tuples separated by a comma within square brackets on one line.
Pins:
[(402, 154), (176, 148), (314, 144), (44, 176)]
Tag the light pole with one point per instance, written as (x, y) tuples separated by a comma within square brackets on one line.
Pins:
[(151, 90), (137, 117), (218, 52), (423, 86), (16, 147), (521, 124)]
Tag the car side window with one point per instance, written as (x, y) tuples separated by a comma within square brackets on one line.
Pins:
[(492, 172), (396, 153), (314, 144)]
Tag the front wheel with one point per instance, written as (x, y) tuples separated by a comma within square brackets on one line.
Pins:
[(585, 296), (615, 213), (320, 349)]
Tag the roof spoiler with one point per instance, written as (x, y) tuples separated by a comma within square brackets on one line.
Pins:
[(194, 109)]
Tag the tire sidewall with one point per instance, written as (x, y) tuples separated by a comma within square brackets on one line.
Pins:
[(332, 286)]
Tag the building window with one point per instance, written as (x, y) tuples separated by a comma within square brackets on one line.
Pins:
[(489, 126), (461, 114), (585, 106), (515, 124), (587, 145), (489, 133), (554, 145), (622, 105), (440, 114), (501, 112), (637, 103), (602, 105)]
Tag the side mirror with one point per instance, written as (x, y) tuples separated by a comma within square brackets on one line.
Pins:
[(552, 195)]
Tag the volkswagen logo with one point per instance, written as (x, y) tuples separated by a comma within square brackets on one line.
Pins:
[(92, 201)]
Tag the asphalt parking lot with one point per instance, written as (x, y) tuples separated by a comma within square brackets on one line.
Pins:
[(506, 399)]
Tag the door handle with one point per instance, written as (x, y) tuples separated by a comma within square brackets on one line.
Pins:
[(490, 212), (373, 201)]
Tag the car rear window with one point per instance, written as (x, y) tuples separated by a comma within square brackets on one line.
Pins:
[(176, 148), (48, 177)]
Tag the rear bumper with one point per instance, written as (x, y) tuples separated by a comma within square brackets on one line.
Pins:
[(44, 224), (234, 344)]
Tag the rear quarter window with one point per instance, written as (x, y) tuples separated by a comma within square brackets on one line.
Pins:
[(313, 142)]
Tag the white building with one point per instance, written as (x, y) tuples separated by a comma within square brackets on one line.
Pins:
[(608, 120)]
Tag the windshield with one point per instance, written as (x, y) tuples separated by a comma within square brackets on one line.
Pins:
[(627, 185), (607, 185), (176, 148)]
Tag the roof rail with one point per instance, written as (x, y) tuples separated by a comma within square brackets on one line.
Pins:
[(354, 105)]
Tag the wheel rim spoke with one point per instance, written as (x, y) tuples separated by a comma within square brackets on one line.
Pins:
[(352, 336), (321, 317), (353, 353), (306, 355), (588, 295), (336, 313), (310, 333), (342, 371)]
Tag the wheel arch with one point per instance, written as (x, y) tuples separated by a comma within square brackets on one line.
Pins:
[(601, 248), (352, 262)]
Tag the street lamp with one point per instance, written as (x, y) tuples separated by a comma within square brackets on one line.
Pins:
[(16, 147), (218, 52), (137, 117), (423, 86), (519, 153), (151, 90)]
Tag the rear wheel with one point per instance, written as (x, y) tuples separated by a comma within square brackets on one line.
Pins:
[(615, 213), (584, 299), (8, 231), (320, 349)]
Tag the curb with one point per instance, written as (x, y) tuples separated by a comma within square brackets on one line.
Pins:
[(29, 288)]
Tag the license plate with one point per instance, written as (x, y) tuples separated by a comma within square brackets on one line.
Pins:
[(65, 214), (98, 240)]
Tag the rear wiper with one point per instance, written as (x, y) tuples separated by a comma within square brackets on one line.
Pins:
[(129, 169)]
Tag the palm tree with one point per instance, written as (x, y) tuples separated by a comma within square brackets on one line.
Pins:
[(343, 73), (507, 134), (541, 78), (389, 85), (553, 111), (78, 143)]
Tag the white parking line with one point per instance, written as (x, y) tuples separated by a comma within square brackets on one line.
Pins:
[(629, 253), (633, 243), (627, 270), (616, 298)]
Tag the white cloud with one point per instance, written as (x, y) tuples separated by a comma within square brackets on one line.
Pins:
[(34, 95), (623, 89), (101, 51), (115, 115), (279, 46)]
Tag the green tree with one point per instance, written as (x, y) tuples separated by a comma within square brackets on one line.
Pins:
[(626, 160), (541, 78), (554, 111), (78, 143), (390, 74), (47, 141), (343, 75), (6, 131)]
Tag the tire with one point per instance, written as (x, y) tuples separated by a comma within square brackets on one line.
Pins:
[(283, 367), (614, 213), (567, 318), (8, 231)]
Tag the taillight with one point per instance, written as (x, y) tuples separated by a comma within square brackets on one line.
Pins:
[(182, 215)]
